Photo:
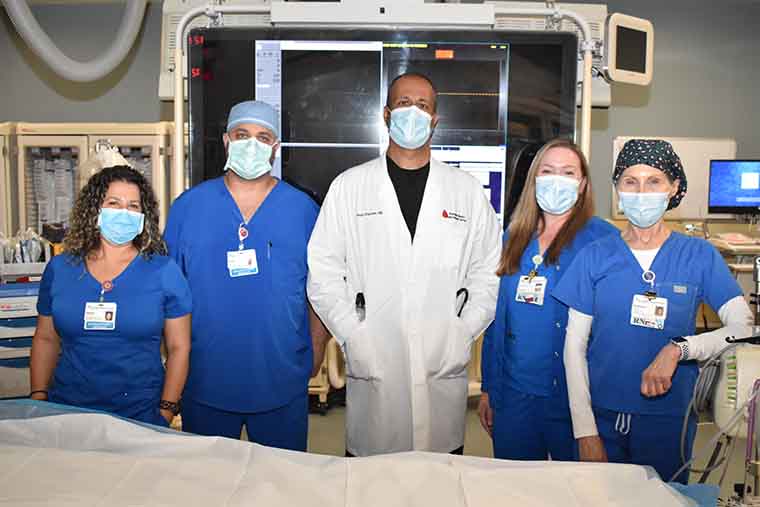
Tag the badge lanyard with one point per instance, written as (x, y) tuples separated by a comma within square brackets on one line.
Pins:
[(242, 262), (531, 289), (648, 310), (100, 316)]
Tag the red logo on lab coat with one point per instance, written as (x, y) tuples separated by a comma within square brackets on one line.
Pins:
[(453, 216)]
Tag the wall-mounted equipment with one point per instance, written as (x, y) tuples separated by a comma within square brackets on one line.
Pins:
[(629, 55)]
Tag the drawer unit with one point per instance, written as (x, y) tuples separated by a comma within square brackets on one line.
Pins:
[(18, 318)]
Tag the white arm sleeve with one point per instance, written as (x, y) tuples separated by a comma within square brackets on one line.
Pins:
[(737, 321), (576, 371)]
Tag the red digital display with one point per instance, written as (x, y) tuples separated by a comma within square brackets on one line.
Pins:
[(195, 72), (195, 40)]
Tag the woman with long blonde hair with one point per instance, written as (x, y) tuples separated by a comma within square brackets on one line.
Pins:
[(524, 404)]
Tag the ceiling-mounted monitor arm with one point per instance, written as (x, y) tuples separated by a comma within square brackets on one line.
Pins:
[(321, 13), (587, 48), (180, 178)]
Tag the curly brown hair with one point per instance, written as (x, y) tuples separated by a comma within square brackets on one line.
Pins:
[(83, 236)]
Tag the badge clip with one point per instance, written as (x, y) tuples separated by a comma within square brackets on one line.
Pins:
[(242, 234), (105, 287), (537, 261), (648, 276)]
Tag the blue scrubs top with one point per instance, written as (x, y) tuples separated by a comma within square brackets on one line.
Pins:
[(119, 371), (602, 283), (251, 348), (522, 349)]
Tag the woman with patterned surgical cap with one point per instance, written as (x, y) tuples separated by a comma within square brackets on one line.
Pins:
[(631, 351)]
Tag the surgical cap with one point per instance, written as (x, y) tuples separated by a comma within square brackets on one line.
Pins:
[(256, 112), (654, 153)]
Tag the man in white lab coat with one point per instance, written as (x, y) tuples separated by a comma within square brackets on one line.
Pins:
[(402, 270)]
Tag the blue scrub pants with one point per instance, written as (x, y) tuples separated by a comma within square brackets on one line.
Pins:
[(652, 440), (285, 427), (529, 427)]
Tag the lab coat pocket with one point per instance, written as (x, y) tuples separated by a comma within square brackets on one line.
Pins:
[(451, 251), (458, 350), (359, 354)]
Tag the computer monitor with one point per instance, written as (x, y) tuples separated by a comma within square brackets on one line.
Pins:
[(734, 187)]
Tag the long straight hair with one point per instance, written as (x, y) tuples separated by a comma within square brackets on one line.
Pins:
[(528, 218)]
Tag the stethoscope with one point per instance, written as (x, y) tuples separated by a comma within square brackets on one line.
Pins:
[(464, 302)]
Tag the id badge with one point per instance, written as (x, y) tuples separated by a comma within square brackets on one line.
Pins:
[(531, 290), (649, 312), (242, 263), (100, 316)]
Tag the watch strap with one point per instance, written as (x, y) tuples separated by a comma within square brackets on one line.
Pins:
[(682, 344), (171, 406)]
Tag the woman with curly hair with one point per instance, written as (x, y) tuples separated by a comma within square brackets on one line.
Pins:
[(106, 303)]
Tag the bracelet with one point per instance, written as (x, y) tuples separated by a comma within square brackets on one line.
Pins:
[(38, 391), (171, 406)]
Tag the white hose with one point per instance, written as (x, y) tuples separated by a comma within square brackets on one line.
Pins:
[(73, 70), (587, 44), (334, 357)]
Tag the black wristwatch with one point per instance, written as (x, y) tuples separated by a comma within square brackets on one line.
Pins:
[(681, 343), (171, 406)]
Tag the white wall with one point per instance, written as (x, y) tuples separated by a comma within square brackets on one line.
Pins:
[(706, 76)]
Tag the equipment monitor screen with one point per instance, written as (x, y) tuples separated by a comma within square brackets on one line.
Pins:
[(734, 186)]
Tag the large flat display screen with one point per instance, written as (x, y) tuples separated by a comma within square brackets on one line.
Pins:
[(496, 92)]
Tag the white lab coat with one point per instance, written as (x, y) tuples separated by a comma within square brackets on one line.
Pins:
[(407, 360)]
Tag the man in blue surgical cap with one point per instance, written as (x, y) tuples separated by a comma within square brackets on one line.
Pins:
[(241, 241)]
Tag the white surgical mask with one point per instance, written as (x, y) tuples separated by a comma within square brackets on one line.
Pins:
[(410, 127), (120, 226), (249, 158), (643, 209), (556, 194)]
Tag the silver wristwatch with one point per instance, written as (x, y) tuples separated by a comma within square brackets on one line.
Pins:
[(682, 344)]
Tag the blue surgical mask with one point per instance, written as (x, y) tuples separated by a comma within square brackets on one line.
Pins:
[(120, 226), (556, 194), (410, 127), (643, 209), (249, 158)]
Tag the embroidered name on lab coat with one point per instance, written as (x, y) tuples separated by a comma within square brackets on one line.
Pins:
[(369, 213)]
